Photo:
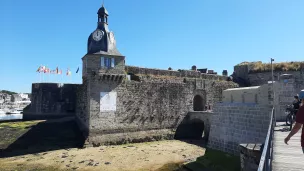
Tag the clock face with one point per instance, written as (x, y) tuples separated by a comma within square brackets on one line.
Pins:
[(97, 35)]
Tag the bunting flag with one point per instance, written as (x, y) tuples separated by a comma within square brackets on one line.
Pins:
[(41, 69), (38, 70), (68, 72), (46, 70)]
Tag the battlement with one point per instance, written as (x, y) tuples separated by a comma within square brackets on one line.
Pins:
[(133, 70)]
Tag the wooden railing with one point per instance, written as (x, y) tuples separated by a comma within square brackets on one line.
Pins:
[(267, 154)]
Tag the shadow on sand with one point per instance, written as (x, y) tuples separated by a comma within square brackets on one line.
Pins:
[(45, 136)]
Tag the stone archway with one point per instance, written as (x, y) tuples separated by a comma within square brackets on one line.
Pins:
[(198, 103)]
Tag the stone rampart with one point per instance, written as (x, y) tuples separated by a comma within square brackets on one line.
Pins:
[(245, 73), (238, 123), (180, 73), (145, 109), (82, 108), (257, 94), (153, 109), (51, 100), (195, 125)]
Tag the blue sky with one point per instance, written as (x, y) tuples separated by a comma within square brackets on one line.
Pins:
[(213, 34)]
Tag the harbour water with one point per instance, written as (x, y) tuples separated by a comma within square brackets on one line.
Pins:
[(4, 117)]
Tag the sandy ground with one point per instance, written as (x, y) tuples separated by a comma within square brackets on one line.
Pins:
[(130, 157)]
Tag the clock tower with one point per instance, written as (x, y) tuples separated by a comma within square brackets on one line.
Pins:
[(102, 55)]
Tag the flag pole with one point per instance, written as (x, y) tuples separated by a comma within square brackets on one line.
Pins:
[(43, 75), (39, 74)]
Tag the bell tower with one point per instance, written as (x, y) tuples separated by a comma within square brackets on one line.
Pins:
[(102, 55), (103, 15)]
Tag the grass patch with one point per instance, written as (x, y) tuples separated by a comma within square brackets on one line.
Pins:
[(215, 160), (11, 131), (257, 67), (18, 125)]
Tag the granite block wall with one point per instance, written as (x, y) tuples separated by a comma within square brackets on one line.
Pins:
[(82, 108), (92, 63), (285, 90), (51, 100), (263, 78), (145, 109), (238, 123), (257, 79), (257, 94), (180, 73), (154, 109), (196, 125)]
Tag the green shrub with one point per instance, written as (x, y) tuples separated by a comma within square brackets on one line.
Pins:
[(256, 67)]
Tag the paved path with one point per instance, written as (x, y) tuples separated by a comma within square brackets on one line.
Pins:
[(287, 157)]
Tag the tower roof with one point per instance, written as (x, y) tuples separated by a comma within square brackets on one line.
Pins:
[(102, 40), (102, 11)]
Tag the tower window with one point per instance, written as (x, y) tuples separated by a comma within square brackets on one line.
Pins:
[(107, 62), (112, 62)]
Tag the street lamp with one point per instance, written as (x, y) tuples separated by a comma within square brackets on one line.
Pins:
[(273, 101), (272, 69)]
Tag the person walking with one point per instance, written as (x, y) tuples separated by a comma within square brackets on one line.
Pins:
[(297, 127)]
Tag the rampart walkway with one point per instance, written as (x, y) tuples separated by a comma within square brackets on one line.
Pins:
[(287, 157)]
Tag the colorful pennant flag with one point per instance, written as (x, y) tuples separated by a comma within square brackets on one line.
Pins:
[(41, 69), (68, 72), (46, 70)]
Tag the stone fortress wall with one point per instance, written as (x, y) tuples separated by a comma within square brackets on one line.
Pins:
[(51, 100), (150, 104), (291, 83), (250, 78), (244, 115)]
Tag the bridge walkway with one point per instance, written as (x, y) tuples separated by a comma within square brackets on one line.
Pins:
[(287, 157)]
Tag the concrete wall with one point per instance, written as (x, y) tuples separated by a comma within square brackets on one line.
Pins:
[(237, 123), (51, 100)]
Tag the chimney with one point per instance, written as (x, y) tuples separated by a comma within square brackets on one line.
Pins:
[(210, 71), (225, 73), (193, 68)]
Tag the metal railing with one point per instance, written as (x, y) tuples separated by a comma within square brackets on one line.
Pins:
[(267, 154)]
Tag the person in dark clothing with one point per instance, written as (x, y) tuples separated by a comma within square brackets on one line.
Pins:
[(296, 104)]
